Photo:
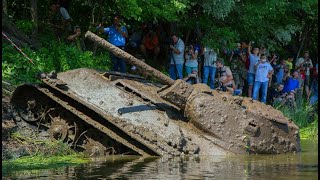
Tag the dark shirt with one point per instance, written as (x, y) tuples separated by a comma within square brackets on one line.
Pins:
[(273, 94)]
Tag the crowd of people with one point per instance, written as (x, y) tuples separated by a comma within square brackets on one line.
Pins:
[(252, 70)]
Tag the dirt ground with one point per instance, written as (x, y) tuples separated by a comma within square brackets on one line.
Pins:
[(13, 148)]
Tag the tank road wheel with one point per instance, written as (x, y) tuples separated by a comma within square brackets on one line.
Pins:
[(59, 129), (94, 148), (31, 112)]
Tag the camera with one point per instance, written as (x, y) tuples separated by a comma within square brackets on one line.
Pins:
[(306, 64)]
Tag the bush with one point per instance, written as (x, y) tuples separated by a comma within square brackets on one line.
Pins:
[(53, 55)]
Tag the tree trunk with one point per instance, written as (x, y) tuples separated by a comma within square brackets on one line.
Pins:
[(148, 70), (5, 6), (34, 16), (17, 36)]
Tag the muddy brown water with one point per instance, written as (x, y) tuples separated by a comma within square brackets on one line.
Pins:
[(302, 165)]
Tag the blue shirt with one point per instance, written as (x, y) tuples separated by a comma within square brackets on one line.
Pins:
[(115, 37), (253, 60), (290, 84), (280, 75)]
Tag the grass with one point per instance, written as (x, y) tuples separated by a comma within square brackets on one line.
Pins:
[(43, 161), (44, 154), (311, 131), (305, 117)]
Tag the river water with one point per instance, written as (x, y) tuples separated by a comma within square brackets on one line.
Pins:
[(302, 165)]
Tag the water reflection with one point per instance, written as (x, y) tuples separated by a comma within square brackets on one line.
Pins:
[(302, 165)]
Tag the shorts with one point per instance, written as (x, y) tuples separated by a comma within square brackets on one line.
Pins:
[(250, 78)]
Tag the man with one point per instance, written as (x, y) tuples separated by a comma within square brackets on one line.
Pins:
[(75, 38), (291, 83), (236, 65), (209, 66), (275, 93), (304, 64), (150, 44), (60, 20), (253, 58), (263, 73), (117, 35), (224, 74), (176, 58)]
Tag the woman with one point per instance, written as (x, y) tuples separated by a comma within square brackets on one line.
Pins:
[(191, 60)]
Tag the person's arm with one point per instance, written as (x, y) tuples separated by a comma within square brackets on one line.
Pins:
[(270, 74), (194, 54), (229, 76), (73, 36), (249, 48), (179, 49), (122, 31), (230, 59)]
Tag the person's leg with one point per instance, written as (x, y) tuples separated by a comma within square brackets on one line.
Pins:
[(188, 70), (143, 50), (180, 70), (264, 90), (172, 72), (114, 62), (306, 83), (212, 74), (205, 74), (256, 88), (122, 65), (156, 51), (250, 78)]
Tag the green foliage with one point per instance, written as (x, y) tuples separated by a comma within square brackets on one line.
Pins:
[(53, 55), (301, 116), (42, 162), (219, 9), (311, 131), (25, 26)]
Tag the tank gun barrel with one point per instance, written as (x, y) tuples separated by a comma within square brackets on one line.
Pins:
[(129, 58)]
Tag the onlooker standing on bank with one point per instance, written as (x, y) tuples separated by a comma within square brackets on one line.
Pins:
[(254, 58), (263, 73), (176, 58), (191, 55), (117, 35), (304, 64), (209, 66)]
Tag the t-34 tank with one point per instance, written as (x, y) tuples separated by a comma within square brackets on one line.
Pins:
[(114, 113)]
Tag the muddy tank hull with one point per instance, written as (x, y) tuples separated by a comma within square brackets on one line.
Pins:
[(239, 124), (105, 113)]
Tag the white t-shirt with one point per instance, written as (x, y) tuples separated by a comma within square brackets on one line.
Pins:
[(210, 57), (301, 61), (262, 72)]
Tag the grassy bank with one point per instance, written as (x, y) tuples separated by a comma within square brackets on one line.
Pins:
[(305, 117), (42, 154)]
